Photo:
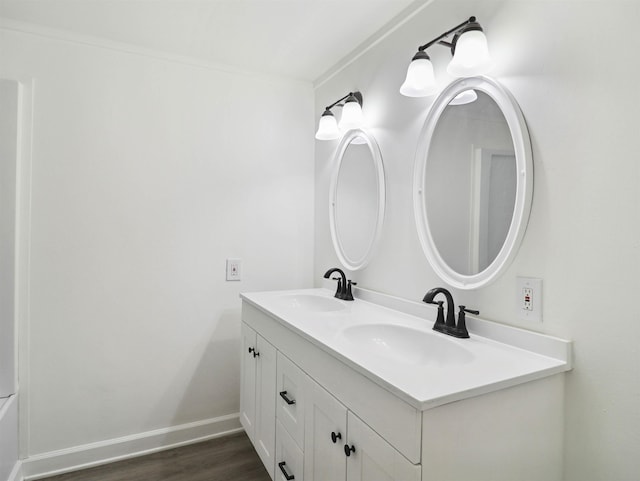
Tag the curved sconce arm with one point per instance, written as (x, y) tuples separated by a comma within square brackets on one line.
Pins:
[(357, 95), (439, 40)]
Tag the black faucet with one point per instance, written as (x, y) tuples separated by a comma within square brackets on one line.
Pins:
[(344, 286), (449, 326)]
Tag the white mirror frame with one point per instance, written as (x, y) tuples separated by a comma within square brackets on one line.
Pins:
[(362, 261), (524, 186)]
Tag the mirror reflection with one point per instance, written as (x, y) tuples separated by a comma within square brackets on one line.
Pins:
[(357, 199), (470, 184)]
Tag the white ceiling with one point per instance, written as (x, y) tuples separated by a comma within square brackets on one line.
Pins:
[(296, 38)]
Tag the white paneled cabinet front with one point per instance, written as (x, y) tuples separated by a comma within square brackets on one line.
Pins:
[(373, 459), (325, 436), (340, 446), (248, 381), (258, 395)]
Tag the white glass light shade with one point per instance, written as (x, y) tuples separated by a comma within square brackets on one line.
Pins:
[(420, 81), (351, 116), (465, 97), (471, 56), (327, 128)]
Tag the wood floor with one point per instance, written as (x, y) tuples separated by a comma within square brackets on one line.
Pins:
[(226, 458)]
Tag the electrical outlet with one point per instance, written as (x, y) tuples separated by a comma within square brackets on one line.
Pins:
[(529, 299), (233, 269)]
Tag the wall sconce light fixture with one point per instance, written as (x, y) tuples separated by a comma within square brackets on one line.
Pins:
[(470, 58), (328, 128)]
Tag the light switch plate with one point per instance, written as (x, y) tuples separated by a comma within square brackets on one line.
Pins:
[(234, 269)]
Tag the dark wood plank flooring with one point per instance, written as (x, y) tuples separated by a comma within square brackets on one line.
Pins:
[(225, 458)]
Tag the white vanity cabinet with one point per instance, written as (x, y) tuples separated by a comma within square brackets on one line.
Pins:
[(306, 397), (258, 394)]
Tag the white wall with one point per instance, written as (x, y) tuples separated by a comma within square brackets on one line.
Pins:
[(9, 101), (9, 148), (147, 173), (570, 66)]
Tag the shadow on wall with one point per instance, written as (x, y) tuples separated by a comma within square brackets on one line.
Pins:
[(206, 386)]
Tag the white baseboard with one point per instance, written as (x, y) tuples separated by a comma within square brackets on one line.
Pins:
[(94, 454), (16, 473)]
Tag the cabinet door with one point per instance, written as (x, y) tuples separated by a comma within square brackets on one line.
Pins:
[(289, 457), (248, 381), (290, 399), (265, 420), (373, 459), (325, 432)]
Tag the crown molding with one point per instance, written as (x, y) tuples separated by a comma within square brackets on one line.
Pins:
[(27, 28), (394, 24)]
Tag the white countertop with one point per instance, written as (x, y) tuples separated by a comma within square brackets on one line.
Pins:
[(486, 365)]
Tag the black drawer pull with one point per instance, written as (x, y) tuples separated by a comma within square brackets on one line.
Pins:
[(287, 476), (349, 449), (335, 437), (283, 395)]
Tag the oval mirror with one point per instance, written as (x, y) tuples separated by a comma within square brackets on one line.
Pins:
[(357, 199), (473, 182)]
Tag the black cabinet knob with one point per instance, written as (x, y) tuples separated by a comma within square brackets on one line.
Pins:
[(349, 449), (335, 437), (252, 350)]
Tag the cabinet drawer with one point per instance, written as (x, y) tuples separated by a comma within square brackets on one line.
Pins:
[(291, 398), (289, 457)]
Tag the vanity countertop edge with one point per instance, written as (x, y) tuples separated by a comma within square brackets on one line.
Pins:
[(521, 355)]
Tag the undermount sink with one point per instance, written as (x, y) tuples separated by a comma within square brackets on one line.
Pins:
[(310, 302), (407, 345)]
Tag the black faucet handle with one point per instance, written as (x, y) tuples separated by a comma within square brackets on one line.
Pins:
[(439, 324), (460, 330), (468, 311), (339, 289), (348, 296)]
